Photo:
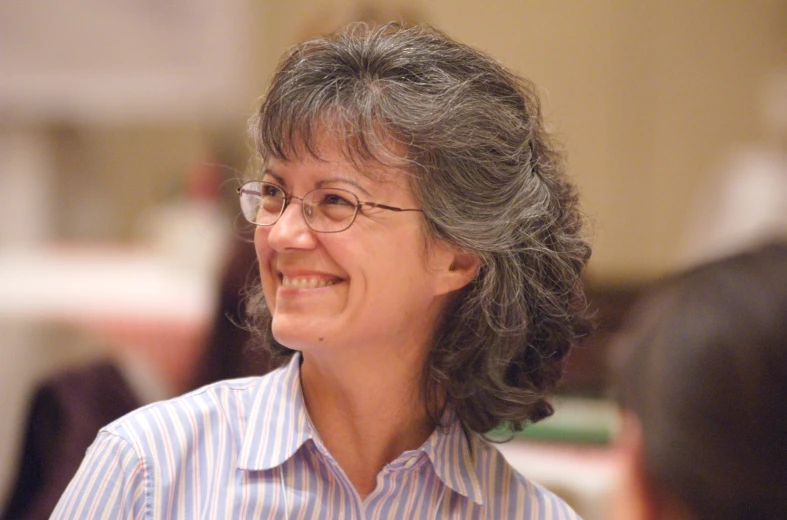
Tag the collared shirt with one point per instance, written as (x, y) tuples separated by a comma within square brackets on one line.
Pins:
[(246, 448)]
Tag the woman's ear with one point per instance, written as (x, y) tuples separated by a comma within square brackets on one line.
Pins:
[(455, 268)]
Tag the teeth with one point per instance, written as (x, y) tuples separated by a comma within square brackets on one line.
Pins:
[(306, 282)]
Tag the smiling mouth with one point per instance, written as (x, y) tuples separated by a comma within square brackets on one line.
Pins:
[(307, 282)]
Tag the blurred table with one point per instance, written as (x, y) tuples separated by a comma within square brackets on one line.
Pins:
[(129, 300), (75, 282)]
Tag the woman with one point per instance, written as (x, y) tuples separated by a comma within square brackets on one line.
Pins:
[(420, 253), (702, 378)]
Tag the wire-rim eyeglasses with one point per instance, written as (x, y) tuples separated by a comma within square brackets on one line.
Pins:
[(325, 210)]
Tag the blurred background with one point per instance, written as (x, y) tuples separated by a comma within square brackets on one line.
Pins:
[(122, 139)]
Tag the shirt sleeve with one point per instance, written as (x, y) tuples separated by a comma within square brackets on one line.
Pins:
[(110, 483)]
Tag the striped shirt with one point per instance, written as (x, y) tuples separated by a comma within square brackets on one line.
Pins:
[(247, 449)]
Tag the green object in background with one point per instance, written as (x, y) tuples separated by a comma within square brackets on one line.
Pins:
[(576, 419)]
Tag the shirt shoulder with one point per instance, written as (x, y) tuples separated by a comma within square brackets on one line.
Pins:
[(216, 412), (509, 493), (170, 459)]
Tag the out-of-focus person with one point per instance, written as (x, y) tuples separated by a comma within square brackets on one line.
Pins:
[(701, 376)]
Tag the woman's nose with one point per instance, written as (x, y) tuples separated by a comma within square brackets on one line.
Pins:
[(291, 230)]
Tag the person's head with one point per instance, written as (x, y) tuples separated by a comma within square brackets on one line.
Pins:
[(491, 262), (701, 375)]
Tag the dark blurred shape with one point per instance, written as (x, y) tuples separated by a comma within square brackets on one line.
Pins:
[(228, 353), (608, 304), (69, 408), (66, 413), (701, 373)]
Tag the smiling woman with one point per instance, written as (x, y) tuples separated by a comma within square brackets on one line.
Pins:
[(420, 253)]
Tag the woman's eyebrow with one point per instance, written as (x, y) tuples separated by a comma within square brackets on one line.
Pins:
[(344, 180), (277, 178), (321, 183)]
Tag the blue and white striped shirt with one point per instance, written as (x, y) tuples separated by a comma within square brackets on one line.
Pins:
[(247, 449)]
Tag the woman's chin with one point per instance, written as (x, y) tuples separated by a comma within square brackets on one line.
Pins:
[(295, 334)]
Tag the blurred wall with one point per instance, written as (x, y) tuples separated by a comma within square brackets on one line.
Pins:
[(649, 97)]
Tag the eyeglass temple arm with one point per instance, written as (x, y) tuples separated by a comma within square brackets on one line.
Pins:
[(383, 206)]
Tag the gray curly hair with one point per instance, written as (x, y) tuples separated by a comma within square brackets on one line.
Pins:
[(491, 181)]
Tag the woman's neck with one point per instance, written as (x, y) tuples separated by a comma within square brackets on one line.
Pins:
[(366, 411)]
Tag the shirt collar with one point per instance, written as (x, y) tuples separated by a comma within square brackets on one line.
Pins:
[(449, 450), (278, 425)]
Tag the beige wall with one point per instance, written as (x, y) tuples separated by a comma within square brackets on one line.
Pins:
[(649, 97)]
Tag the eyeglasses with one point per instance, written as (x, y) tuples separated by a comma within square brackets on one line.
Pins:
[(325, 210)]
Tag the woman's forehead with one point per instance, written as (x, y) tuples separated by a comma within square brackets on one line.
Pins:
[(317, 172), (326, 153), (367, 145)]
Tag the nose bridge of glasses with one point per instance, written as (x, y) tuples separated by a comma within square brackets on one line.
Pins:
[(307, 207), (286, 201)]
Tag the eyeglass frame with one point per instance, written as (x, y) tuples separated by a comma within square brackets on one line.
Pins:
[(288, 198)]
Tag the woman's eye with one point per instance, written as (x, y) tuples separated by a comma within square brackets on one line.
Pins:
[(271, 191), (332, 199)]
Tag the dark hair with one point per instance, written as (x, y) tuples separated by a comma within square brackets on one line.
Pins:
[(704, 369), (491, 181)]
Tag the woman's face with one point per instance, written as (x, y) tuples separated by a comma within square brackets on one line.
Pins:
[(372, 284)]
